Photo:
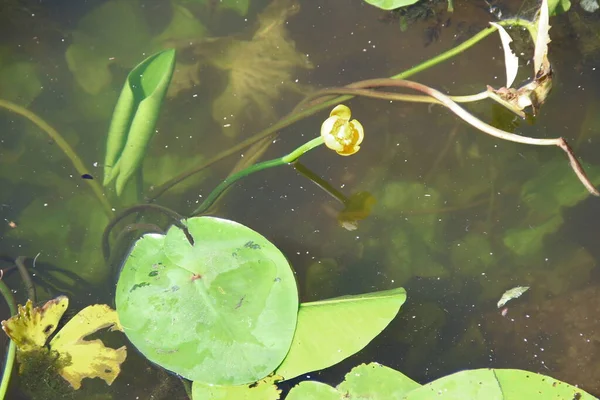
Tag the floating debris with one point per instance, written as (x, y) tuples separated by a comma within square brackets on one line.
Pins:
[(512, 294)]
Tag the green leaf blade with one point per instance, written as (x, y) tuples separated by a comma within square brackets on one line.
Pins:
[(134, 119), (365, 316)]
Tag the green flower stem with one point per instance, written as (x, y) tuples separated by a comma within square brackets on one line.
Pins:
[(231, 179), (12, 349), (306, 147), (64, 146)]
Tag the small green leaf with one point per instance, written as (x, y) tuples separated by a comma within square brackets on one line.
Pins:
[(390, 4), (556, 7), (135, 116), (331, 330), (221, 311), (311, 390), (376, 382)]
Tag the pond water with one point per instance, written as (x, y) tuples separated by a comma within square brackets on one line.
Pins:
[(460, 217)]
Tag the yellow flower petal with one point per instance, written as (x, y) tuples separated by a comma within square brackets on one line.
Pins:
[(341, 111), (341, 134), (359, 130), (328, 134)]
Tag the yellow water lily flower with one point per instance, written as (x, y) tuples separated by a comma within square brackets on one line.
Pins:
[(340, 133)]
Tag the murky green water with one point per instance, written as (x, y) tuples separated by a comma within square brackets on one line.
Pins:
[(460, 216)]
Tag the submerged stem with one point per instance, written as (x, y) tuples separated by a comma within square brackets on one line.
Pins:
[(64, 146), (12, 348)]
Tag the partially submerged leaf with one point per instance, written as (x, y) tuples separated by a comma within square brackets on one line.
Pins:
[(32, 326), (511, 61), (66, 233), (183, 27), (89, 358), (510, 294), (529, 240)]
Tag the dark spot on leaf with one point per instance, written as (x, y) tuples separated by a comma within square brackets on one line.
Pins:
[(107, 371), (153, 273), (252, 245), (239, 304), (278, 279), (234, 254), (174, 288), (48, 328), (195, 277), (87, 176), (253, 385), (138, 285), (554, 384), (577, 396)]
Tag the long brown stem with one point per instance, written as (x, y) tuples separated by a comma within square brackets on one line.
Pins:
[(358, 88)]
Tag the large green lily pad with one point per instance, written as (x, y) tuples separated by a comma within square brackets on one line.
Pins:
[(221, 311)]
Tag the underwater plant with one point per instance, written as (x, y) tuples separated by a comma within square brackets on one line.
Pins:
[(215, 301)]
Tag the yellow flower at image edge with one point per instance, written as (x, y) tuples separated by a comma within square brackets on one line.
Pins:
[(340, 133)]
